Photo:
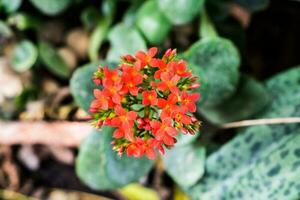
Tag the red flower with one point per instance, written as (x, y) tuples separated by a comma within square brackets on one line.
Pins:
[(169, 54), (111, 75), (113, 90), (136, 148), (188, 101), (164, 131), (130, 85), (168, 105), (152, 143), (180, 116), (120, 132), (144, 123), (168, 83), (156, 83), (133, 72), (146, 58), (149, 98), (180, 69), (101, 102), (128, 59), (124, 119), (139, 147)]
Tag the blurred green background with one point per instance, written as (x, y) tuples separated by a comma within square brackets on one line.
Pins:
[(244, 51)]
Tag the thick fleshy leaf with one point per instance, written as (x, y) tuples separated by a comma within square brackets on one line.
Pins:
[(219, 62), (180, 11), (185, 163), (82, 85), (101, 168), (51, 7), (10, 6), (152, 22), (24, 56), (253, 5), (263, 158), (124, 40), (52, 60), (250, 98)]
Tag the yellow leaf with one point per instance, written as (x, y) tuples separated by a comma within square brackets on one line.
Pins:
[(137, 192)]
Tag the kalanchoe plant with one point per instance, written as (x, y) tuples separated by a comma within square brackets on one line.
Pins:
[(148, 100)]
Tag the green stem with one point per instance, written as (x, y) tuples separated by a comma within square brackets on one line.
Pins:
[(100, 32), (207, 28), (147, 111)]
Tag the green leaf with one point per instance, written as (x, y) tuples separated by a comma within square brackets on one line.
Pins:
[(130, 15), (99, 34), (89, 17), (275, 173), (218, 60), (52, 60), (101, 168), (97, 37), (137, 106), (51, 7), (10, 6), (5, 30), (250, 98), (24, 56), (263, 158), (185, 164), (207, 28), (253, 5), (124, 40), (24, 21), (82, 86), (180, 11), (152, 23)]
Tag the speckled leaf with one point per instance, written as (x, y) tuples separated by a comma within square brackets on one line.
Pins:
[(24, 56), (180, 11), (253, 5), (185, 163), (52, 60), (101, 168), (260, 158), (82, 85), (250, 98), (219, 60), (274, 175), (152, 23), (51, 7), (124, 40)]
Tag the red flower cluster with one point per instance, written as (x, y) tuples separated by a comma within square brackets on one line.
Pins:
[(148, 100)]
